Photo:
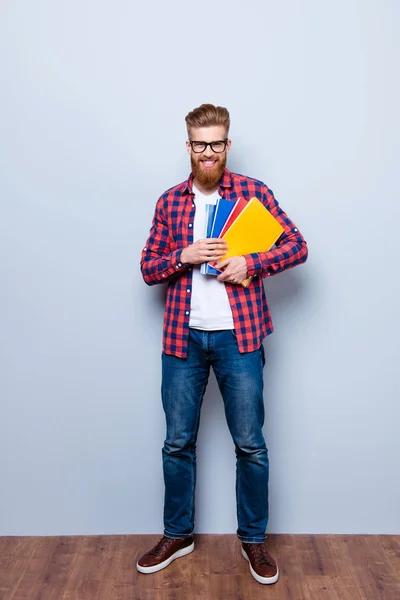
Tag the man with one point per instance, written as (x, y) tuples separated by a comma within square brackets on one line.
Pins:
[(213, 321)]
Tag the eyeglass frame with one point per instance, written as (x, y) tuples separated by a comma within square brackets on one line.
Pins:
[(225, 142)]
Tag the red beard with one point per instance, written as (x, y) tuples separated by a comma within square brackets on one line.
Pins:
[(208, 177)]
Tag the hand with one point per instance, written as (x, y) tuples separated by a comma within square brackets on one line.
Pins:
[(234, 270), (204, 251)]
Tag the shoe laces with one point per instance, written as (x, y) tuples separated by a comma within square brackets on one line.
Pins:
[(260, 554), (162, 545)]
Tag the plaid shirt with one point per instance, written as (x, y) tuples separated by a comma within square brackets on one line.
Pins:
[(172, 230)]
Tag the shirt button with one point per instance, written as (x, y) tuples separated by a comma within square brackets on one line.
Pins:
[(163, 274), (188, 290), (190, 224), (193, 204), (295, 229), (179, 264), (187, 312)]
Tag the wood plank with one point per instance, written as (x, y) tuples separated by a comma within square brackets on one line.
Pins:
[(226, 586), (95, 567), (315, 556), (391, 547), (36, 569), (131, 548), (327, 588), (198, 568), (17, 545), (224, 554), (292, 582), (12, 570)]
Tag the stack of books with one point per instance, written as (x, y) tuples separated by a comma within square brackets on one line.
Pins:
[(246, 226)]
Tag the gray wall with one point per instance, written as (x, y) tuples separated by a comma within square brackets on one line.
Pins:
[(92, 105)]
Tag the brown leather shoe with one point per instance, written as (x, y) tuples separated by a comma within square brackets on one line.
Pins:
[(262, 566), (163, 553)]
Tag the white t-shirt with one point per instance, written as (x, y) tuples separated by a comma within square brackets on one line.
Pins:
[(210, 308)]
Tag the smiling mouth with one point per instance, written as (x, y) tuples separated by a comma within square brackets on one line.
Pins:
[(208, 163)]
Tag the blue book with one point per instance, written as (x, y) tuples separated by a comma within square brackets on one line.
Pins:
[(222, 212), (210, 212)]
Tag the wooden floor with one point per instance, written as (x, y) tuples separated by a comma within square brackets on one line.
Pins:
[(312, 567)]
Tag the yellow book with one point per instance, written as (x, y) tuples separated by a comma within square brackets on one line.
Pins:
[(255, 230)]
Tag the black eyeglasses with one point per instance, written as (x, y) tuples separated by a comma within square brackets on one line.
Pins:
[(217, 147)]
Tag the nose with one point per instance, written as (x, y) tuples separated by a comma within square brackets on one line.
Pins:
[(208, 152)]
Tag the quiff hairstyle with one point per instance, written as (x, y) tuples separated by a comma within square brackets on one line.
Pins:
[(208, 115)]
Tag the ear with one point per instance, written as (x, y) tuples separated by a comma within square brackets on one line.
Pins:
[(228, 146), (188, 148)]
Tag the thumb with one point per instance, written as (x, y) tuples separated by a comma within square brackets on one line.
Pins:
[(223, 263)]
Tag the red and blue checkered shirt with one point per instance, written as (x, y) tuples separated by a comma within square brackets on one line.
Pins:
[(172, 230)]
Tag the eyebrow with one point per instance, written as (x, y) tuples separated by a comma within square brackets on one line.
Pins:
[(204, 142)]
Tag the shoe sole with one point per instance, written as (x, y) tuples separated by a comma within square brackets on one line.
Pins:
[(263, 580), (166, 563)]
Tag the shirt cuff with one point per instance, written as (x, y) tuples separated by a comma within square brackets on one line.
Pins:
[(253, 263), (174, 264)]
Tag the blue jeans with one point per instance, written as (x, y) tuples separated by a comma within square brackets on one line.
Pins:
[(240, 380)]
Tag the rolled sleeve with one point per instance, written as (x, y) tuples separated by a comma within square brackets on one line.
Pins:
[(254, 264)]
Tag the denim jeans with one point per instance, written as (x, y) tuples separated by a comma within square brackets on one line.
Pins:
[(240, 380)]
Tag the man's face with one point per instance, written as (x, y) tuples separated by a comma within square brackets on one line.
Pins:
[(208, 165)]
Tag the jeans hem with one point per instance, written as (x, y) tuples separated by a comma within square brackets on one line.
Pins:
[(252, 540), (177, 536)]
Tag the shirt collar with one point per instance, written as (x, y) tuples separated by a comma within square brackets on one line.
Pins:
[(225, 182)]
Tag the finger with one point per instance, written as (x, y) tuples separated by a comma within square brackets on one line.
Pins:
[(216, 240), (232, 280), (215, 251), (224, 263), (213, 256), (224, 276), (220, 251), (216, 245), (206, 245)]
